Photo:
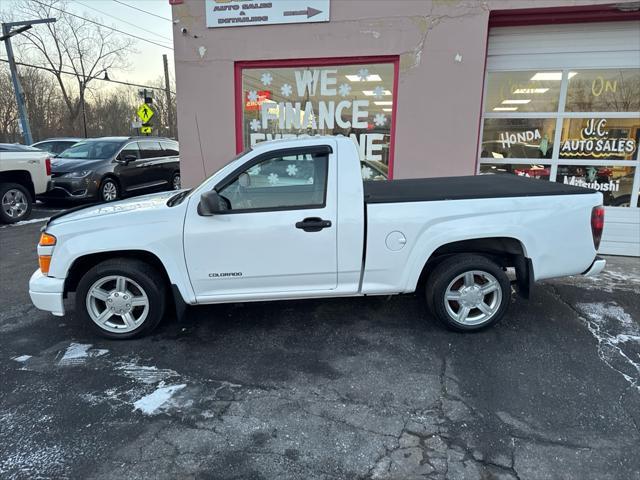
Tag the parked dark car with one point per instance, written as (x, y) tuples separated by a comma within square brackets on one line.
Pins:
[(56, 146), (109, 168)]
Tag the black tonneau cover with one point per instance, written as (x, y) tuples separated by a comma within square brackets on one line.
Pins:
[(460, 188)]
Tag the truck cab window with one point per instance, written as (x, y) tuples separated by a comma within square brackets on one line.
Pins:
[(296, 181)]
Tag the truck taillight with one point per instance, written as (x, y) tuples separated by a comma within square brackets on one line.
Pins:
[(597, 224), (47, 164)]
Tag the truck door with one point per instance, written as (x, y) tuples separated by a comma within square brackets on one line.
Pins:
[(278, 237)]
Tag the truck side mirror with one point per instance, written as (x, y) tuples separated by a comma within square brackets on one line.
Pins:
[(211, 203)]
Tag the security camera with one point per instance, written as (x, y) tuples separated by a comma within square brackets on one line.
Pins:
[(184, 30)]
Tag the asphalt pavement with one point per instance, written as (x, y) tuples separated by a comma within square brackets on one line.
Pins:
[(367, 388)]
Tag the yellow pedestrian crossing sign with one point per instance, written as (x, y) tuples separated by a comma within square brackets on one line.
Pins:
[(145, 129), (144, 112)]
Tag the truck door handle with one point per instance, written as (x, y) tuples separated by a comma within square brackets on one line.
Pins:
[(313, 224)]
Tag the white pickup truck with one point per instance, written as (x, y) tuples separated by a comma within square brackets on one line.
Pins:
[(293, 219), (24, 173)]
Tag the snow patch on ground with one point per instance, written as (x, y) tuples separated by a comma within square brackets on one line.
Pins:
[(618, 338), (152, 404), (21, 358), (145, 374), (78, 353)]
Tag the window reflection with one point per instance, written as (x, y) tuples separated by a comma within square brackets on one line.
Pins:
[(541, 172), (615, 182), (529, 91), (611, 90), (598, 138), (518, 138), (351, 100)]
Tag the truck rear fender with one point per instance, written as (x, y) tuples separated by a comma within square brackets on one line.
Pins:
[(507, 251)]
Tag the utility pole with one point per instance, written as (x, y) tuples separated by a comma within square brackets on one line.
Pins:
[(7, 33), (167, 92)]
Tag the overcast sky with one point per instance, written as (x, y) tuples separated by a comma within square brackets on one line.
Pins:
[(146, 64)]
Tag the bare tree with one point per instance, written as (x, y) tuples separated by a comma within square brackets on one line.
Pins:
[(112, 112), (72, 44), (8, 111), (161, 118)]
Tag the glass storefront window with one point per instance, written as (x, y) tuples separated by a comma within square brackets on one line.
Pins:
[(614, 181), (530, 91), (541, 172), (581, 125), (611, 90), (600, 138), (351, 100), (517, 138)]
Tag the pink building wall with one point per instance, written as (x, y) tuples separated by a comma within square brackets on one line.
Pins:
[(439, 99)]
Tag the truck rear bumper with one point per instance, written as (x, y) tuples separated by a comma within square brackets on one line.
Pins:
[(47, 293), (596, 267)]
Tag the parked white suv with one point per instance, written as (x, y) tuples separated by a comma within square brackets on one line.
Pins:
[(24, 173)]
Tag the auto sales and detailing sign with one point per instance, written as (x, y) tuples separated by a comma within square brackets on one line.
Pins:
[(241, 13)]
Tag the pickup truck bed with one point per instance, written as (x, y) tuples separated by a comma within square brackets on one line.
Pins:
[(461, 188)]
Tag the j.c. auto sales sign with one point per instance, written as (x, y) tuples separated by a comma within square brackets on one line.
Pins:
[(239, 13)]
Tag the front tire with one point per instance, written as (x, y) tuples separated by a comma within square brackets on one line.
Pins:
[(468, 292), (121, 298), (109, 190), (15, 203)]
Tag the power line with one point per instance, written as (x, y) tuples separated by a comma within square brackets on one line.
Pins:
[(123, 21), (144, 11), (102, 25), (95, 78)]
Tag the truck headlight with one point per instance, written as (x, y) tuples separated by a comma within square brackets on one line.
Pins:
[(77, 174)]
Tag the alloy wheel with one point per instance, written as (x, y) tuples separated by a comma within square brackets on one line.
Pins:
[(109, 191), (117, 304), (14, 203), (473, 297), (175, 184)]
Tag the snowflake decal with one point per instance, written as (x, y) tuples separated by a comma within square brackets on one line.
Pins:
[(255, 125), (378, 92), (253, 96), (292, 170), (266, 79), (379, 119), (310, 181), (273, 179), (286, 89), (344, 89), (363, 73), (255, 170), (367, 173)]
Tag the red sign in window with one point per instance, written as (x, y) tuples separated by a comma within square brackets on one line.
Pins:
[(253, 100)]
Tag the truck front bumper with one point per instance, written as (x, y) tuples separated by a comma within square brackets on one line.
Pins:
[(596, 267), (47, 293)]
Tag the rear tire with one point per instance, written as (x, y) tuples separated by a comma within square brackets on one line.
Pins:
[(468, 292), (121, 298), (15, 203), (176, 183)]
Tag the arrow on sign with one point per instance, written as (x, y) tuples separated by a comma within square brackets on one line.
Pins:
[(309, 12)]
